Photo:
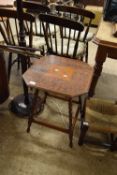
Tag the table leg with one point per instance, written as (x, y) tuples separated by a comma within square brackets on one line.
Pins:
[(99, 60), (70, 124), (32, 110)]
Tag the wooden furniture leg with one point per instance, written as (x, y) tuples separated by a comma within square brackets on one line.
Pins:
[(9, 65), (83, 130), (70, 124), (113, 146), (32, 110), (99, 60)]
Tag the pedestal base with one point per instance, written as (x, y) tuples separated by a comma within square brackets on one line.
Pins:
[(22, 110)]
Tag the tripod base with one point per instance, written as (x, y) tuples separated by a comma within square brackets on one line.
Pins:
[(22, 110)]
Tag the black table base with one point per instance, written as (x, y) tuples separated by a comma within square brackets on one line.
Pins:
[(22, 110)]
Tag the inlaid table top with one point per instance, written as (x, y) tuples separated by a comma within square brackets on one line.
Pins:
[(60, 75)]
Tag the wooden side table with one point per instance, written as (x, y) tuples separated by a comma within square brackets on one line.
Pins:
[(62, 76)]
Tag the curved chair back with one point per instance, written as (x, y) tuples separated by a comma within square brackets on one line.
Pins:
[(56, 43), (35, 8), (78, 14), (9, 26)]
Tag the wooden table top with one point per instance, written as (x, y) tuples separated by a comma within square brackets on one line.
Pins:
[(60, 75), (104, 35)]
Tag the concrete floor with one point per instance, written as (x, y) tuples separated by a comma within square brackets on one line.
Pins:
[(45, 151)]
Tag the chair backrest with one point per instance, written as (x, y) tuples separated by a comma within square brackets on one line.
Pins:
[(77, 14), (56, 43), (9, 26), (36, 8), (44, 2)]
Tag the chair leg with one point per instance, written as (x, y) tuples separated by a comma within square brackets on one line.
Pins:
[(45, 97), (87, 49), (83, 130), (43, 50), (18, 63), (113, 143), (82, 105), (32, 110), (9, 65), (70, 124)]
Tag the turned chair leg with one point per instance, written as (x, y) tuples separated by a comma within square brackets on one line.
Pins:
[(83, 130), (113, 143), (18, 63), (87, 49)]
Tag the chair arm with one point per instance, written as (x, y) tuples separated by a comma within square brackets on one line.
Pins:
[(26, 51)]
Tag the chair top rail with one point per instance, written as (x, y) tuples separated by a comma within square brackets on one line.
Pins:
[(36, 6), (75, 10), (10, 13), (56, 20)]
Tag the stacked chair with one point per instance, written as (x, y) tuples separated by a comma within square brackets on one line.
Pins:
[(35, 8), (9, 29), (99, 115), (79, 15)]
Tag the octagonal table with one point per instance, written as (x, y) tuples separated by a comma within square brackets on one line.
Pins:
[(62, 76)]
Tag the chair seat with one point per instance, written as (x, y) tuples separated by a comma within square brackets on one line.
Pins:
[(89, 37), (101, 115), (73, 35), (81, 48), (38, 28), (37, 41)]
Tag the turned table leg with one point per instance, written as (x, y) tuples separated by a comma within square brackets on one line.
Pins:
[(99, 60)]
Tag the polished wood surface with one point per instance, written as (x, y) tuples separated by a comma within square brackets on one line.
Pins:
[(60, 75), (107, 46)]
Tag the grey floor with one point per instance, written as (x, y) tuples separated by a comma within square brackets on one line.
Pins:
[(45, 151)]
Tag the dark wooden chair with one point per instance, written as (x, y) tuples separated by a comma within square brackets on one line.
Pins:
[(60, 74), (43, 2), (35, 8), (9, 29), (80, 15), (56, 43), (99, 116)]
